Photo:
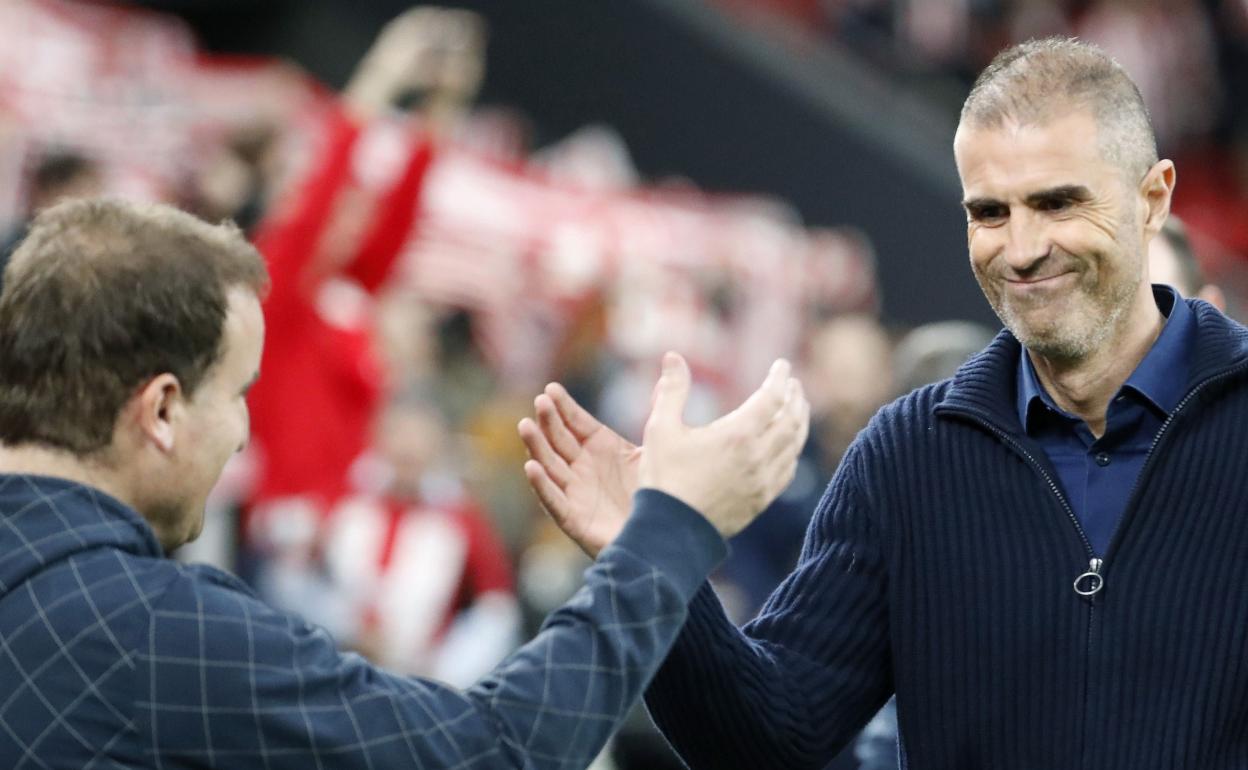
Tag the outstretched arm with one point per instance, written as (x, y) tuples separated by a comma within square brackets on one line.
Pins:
[(795, 684), (790, 689), (260, 687), (224, 681)]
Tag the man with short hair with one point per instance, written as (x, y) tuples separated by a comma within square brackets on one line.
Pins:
[(129, 336), (1041, 555)]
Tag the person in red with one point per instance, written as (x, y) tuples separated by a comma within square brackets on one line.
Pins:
[(420, 580), (329, 246), (324, 381)]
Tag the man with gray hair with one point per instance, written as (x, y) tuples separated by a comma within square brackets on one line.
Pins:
[(1039, 555)]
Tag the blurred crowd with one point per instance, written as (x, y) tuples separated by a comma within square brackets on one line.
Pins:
[(431, 271)]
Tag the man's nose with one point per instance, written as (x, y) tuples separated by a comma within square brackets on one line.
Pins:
[(1026, 241)]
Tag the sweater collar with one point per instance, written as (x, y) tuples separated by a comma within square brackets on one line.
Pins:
[(986, 385)]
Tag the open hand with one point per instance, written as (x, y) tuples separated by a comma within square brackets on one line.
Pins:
[(583, 472), (731, 469)]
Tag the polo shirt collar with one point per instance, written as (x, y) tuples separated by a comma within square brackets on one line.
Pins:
[(1160, 378)]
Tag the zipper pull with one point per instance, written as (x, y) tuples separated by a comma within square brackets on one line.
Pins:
[(1090, 583)]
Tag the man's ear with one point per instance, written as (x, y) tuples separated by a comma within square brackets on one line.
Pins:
[(1156, 190), (158, 407)]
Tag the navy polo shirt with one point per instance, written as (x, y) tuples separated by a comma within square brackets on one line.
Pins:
[(1098, 475)]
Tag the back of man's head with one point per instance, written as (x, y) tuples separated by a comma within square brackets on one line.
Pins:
[(1037, 81), (100, 297)]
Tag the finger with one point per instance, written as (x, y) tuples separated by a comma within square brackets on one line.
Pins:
[(786, 427), (580, 422), (548, 492), (671, 393), (781, 466), (540, 450), (560, 438), (762, 404)]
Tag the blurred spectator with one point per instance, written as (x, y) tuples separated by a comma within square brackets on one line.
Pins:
[(1169, 50), (848, 376), (331, 245), (424, 579), (934, 351), (1171, 261), (237, 179), (58, 175)]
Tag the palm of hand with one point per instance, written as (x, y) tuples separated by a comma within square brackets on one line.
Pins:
[(603, 478)]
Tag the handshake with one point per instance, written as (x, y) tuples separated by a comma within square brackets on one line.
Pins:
[(585, 474)]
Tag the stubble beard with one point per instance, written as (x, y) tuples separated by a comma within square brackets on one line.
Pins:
[(1090, 322)]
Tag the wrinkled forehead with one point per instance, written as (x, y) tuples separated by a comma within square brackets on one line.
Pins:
[(1014, 158)]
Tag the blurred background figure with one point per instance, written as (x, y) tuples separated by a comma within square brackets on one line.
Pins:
[(932, 352), (426, 581), (57, 175), (849, 367), (1172, 261)]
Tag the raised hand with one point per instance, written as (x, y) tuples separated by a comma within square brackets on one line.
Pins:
[(733, 468), (436, 49), (583, 472)]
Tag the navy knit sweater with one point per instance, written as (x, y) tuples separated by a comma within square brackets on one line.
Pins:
[(941, 563)]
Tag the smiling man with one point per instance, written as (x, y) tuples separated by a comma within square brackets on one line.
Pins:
[(1040, 556), (129, 336)]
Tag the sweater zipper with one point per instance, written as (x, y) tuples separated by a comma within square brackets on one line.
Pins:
[(1088, 583), (1092, 581)]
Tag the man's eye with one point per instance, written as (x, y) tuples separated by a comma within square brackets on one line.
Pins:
[(1054, 204), (988, 213)]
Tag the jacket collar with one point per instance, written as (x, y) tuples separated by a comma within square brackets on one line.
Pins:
[(44, 520), (986, 385)]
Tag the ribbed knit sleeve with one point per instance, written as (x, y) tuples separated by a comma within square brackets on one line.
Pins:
[(793, 686)]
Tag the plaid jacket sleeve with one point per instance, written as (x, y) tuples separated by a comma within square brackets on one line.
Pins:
[(226, 681)]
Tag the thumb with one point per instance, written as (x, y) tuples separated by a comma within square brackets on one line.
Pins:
[(670, 393)]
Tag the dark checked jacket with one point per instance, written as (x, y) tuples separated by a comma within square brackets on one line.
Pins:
[(112, 656), (941, 564)]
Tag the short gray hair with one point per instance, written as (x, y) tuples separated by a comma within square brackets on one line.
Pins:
[(1034, 82)]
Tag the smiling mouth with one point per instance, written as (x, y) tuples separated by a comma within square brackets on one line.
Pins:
[(1029, 282)]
